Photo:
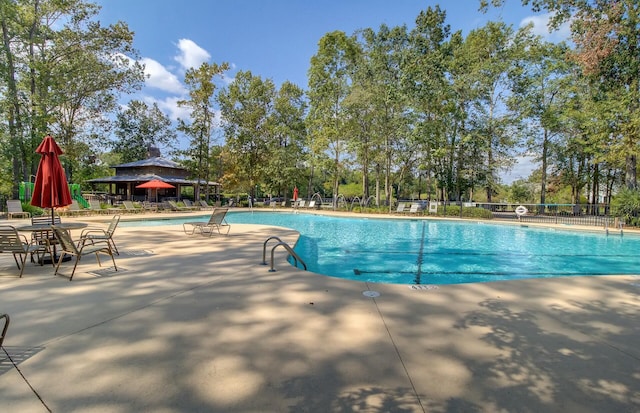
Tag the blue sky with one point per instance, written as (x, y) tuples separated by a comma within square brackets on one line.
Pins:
[(271, 38)]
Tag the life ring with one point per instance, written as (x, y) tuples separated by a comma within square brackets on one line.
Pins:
[(521, 210)]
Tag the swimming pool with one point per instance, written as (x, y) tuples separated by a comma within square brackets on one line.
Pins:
[(443, 252)]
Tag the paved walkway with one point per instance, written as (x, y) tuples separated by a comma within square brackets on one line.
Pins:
[(194, 324)]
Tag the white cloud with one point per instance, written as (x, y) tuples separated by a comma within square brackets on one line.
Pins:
[(161, 78), (541, 27), (190, 54)]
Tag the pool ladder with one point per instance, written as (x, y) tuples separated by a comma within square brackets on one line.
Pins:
[(617, 226), (286, 246)]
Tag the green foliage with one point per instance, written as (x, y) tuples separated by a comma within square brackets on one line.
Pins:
[(139, 127), (626, 204), (467, 212)]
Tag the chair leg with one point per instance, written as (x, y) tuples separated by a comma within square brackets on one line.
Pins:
[(113, 245), (74, 266), (22, 260)]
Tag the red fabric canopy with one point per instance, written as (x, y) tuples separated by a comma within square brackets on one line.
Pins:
[(295, 193), (51, 189), (155, 184)]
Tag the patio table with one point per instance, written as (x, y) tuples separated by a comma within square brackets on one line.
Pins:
[(46, 228)]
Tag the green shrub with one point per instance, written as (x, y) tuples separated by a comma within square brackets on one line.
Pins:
[(626, 204), (467, 212)]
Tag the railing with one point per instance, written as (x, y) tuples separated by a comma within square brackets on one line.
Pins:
[(569, 214), (286, 246)]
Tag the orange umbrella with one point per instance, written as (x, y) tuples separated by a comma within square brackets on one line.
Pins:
[(51, 189), (295, 193), (155, 184)]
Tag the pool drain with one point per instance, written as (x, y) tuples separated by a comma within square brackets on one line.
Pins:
[(371, 294)]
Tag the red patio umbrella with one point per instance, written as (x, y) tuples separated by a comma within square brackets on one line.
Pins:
[(51, 189), (155, 184), (295, 193)]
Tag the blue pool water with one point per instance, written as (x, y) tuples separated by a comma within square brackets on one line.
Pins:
[(443, 252)]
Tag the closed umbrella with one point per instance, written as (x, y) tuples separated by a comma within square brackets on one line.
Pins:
[(295, 193), (155, 184), (51, 189)]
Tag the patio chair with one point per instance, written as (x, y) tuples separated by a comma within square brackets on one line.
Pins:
[(45, 237), (14, 208), (12, 242), (94, 206), (312, 204), (175, 207), (415, 207), (204, 205), (216, 221), (189, 204), (94, 233), (129, 207), (80, 249), (433, 207), (400, 208), (74, 209)]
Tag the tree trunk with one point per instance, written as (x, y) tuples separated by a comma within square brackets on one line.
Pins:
[(630, 175)]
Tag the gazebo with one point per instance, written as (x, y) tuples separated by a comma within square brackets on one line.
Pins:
[(122, 186)]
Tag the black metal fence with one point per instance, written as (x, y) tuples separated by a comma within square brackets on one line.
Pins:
[(569, 214)]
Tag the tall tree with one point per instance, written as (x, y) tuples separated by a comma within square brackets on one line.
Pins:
[(63, 71), (540, 91), (607, 38), (330, 77), (140, 127), (246, 106), (201, 86)]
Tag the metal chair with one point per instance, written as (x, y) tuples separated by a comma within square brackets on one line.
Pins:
[(45, 237), (101, 234), (11, 241), (83, 247)]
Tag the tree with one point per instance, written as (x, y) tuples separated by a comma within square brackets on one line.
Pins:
[(330, 77), (246, 106), (140, 127), (201, 100), (540, 90), (606, 36), (63, 72)]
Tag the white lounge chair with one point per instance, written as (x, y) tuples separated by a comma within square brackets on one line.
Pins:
[(216, 221), (14, 208)]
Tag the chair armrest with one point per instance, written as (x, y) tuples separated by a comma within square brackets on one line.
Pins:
[(90, 230)]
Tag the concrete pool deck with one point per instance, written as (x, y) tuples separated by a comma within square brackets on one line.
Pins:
[(196, 324)]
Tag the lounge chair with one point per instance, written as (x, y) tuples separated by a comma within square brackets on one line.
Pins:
[(174, 206), (94, 206), (94, 233), (400, 208), (129, 207), (433, 207), (16, 244), (74, 209), (149, 207), (312, 204), (83, 247), (415, 207), (204, 205), (216, 221), (188, 204), (14, 208)]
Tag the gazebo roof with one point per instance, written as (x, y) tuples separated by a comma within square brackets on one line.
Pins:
[(155, 161), (146, 178)]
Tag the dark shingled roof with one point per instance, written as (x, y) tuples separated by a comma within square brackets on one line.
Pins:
[(146, 178), (156, 161)]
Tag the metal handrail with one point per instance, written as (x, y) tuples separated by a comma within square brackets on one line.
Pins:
[(290, 251), (264, 249)]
